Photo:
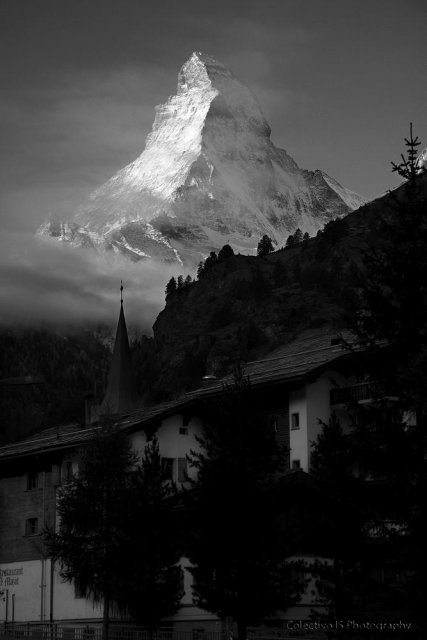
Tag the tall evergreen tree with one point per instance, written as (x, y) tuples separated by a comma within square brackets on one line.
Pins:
[(351, 536), (391, 327), (238, 550), (188, 281), (88, 545), (150, 575), (117, 539), (265, 246), (225, 252), (298, 237), (171, 287)]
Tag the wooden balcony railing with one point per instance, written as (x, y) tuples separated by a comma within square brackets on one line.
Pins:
[(360, 393)]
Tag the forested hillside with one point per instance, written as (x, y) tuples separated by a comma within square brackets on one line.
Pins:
[(237, 309), (72, 366), (242, 307)]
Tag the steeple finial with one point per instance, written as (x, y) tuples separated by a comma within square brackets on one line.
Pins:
[(121, 293)]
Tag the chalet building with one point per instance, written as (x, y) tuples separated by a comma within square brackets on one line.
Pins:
[(301, 383)]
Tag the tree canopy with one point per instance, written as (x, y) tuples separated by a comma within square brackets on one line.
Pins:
[(237, 549), (115, 540), (265, 246)]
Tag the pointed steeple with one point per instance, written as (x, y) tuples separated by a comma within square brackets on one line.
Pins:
[(121, 395)]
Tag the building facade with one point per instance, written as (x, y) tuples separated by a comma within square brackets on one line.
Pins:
[(296, 383)]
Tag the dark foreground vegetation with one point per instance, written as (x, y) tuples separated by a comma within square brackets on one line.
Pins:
[(369, 484)]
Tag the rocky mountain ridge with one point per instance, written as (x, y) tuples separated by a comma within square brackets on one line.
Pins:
[(209, 175)]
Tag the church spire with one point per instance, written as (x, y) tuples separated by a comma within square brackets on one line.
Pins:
[(121, 395)]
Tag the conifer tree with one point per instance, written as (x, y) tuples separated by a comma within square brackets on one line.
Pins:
[(210, 261), (118, 539), (225, 253), (87, 546), (238, 550), (150, 575), (265, 246), (298, 237), (200, 268), (180, 283), (390, 316), (290, 241), (171, 287), (343, 569)]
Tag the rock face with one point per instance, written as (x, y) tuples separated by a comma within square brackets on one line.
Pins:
[(209, 175)]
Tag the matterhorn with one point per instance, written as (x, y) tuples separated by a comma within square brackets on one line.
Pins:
[(209, 175)]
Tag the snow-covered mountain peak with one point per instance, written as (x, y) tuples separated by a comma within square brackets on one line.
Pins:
[(209, 175), (199, 71)]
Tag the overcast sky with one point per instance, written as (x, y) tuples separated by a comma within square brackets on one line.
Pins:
[(338, 80)]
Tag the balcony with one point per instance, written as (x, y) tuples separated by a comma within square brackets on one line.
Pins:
[(363, 393)]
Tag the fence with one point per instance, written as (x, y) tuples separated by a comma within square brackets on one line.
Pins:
[(39, 631), (34, 631)]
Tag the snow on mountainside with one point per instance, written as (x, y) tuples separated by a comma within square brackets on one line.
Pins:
[(422, 161), (209, 175)]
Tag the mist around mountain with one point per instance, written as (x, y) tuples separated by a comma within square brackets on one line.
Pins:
[(209, 175), (239, 309)]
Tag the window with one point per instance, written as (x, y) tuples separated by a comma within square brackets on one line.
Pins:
[(294, 421), (175, 469), (182, 469), (67, 471), (32, 480), (167, 468), (296, 464), (79, 592), (32, 526)]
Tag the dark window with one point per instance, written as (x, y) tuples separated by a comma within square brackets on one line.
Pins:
[(67, 471), (294, 420), (182, 469), (79, 592), (167, 468), (296, 464), (32, 526), (32, 480)]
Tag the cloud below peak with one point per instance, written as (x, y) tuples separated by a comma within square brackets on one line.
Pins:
[(45, 283)]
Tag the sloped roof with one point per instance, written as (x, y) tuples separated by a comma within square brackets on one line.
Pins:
[(306, 356), (311, 352), (71, 435)]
